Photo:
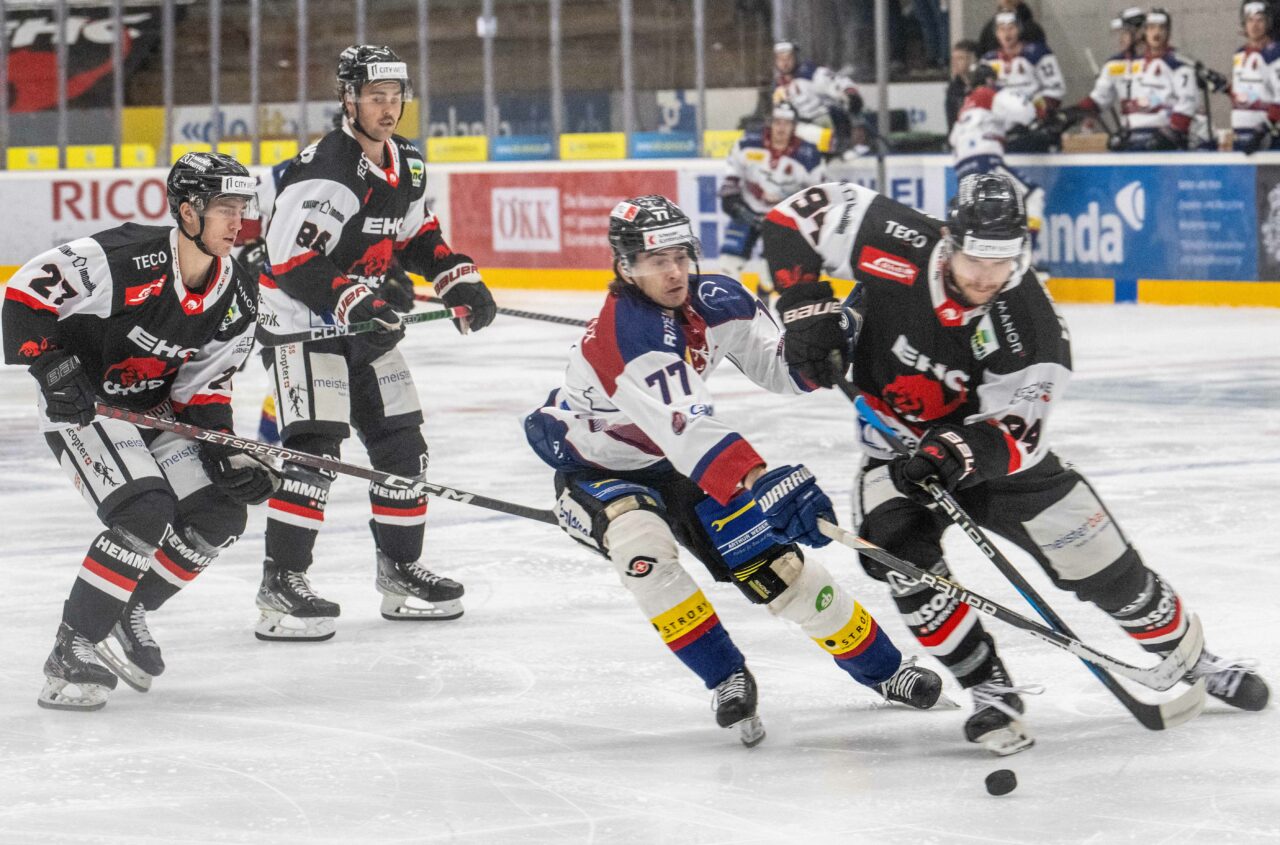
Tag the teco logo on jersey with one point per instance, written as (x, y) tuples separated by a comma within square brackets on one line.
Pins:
[(880, 263), (525, 219)]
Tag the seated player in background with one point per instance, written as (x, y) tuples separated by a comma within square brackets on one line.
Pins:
[(957, 345), (154, 319), (1031, 69), (764, 168), (644, 462), (1255, 81), (825, 102)]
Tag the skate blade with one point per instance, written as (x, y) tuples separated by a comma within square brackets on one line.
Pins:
[(275, 626), (54, 696), (1008, 740), (750, 731), (125, 669), (944, 702), (398, 608)]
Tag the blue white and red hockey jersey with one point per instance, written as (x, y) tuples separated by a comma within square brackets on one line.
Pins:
[(635, 394)]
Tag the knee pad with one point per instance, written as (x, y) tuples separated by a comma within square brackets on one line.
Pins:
[(811, 593), (402, 452), (644, 554), (210, 521), (143, 520)]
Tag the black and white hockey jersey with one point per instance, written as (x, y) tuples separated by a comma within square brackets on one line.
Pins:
[(338, 219), (921, 358), (117, 300)]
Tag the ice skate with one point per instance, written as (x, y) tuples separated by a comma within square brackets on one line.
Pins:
[(996, 723), (411, 591), (1234, 681), (74, 678), (135, 656), (290, 609), (914, 686), (734, 701)]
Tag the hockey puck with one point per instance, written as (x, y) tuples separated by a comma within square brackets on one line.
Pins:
[(1001, 782)]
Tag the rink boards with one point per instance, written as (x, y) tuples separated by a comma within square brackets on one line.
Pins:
[(1177, 228)]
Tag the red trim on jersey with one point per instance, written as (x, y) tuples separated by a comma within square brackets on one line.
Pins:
[(1180, 122), (432, 225), (600, 346), (1167, 629), (782, 219), (293, 263), (28, 300), (723, 476), (202, 399), (167, 563), (297, 510), (696, 633), (981, 98), (406, 510), (1015, 455), (105, 574), (939, 636), (267, 282)]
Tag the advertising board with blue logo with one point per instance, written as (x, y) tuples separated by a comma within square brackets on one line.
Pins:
[(1127, 223)]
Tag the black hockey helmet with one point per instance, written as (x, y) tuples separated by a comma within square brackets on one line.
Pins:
[(364, 63), (986, 218), (982, 74), (649, 223), (200, 178)]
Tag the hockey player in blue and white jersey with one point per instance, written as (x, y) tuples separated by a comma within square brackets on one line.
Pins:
[(765, 167), (1162, 99), (825, 101), (643, 461), (1255, 81), (1030, 69), (153, 319)]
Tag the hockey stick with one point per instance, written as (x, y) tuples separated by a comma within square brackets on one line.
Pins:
[(1161, 677), (461, 312), (514, 312), (1182, 708), (259, 449)]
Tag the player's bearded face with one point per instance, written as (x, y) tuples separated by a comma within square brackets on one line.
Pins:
[(978, 280), (663, 276), (378, 108)]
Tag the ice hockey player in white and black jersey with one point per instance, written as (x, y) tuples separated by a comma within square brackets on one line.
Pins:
[(643, 461), (956, 343), (154, 319), (348, 205)]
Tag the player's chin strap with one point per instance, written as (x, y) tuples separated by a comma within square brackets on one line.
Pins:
[(1180, 709), (260, 450), (198, 238)]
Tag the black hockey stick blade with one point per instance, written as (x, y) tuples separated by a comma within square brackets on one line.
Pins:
[(325, 332), (258, 449), (1160, 677)]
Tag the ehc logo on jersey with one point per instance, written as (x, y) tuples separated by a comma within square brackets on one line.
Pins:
[(932, 395), (381, 225), (880, 263)]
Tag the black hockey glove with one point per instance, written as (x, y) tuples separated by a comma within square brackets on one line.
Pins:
[(243, 479), (462, 285), (943, 455), (792, 502), (736, 207), (68, 391), (358, 304), (397, 289), (814, 342)]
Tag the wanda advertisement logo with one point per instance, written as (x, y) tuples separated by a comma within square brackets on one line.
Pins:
[(544, 220)]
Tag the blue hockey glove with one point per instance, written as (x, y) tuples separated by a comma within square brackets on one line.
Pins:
[(792, 502)]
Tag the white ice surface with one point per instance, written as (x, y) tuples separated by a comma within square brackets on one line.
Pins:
[(551, 713)]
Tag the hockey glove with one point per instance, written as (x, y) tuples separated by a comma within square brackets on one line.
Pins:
[(792, 502), (243, 479), (736, 207), (462, 285), (68, 391), (943, 456), (397, 289), (358, 304), (814, 343)]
